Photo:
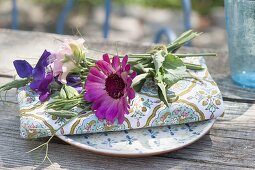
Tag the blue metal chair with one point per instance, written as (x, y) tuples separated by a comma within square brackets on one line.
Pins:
[(163, 31), (169, 32), (14, 24), (107, 18), (61, 20), (62, 17), (106, 26)]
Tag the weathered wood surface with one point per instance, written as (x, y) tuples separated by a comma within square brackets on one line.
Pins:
[(229, 145)]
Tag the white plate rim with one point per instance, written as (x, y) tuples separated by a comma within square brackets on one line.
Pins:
[(108, 152)]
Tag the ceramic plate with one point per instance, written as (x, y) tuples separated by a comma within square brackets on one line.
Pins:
[(141, 142)]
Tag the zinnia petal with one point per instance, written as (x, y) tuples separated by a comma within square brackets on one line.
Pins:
[(128, 67), (111, 112), (116, 63), (106, 58), (93, 78), (94, 86), (124, 76), (104, 105), (23, 68), (121, 113), (133, 75), (131, 93), (129, 82), (93, 95), (101, 101), (124, 62), (105, 67), (100, 113), (97, 73)]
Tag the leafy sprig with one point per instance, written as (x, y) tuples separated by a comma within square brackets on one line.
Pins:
[(164, 66)]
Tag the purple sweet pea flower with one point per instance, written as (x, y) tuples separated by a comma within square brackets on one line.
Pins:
[(75, 82), (38, 72), (23, 68), (40, 81), (44, 87)]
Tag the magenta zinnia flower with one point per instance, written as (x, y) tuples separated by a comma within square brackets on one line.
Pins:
[(108, 87)]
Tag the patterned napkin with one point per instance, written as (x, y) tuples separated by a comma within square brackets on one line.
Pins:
[(199, 99)]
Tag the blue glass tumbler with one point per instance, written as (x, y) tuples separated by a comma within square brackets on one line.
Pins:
[(240, 23)]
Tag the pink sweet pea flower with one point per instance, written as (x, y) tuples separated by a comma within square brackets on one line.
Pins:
[(64, 61)]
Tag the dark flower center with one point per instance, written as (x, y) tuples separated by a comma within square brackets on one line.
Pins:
[(114, 85)]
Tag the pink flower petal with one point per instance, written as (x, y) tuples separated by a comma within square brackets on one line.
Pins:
[(101, 101), (111, 112), (101, 111), (105, 67), (57, 67), (131, 93), (128, 67), (129, 82), (116, 63), (125, 103), (124, 76), (121, 113), (121, 119), (133, 75), (124, 62), (106, 58), (94, 78), (97, 73), (66, 68), (92, 95), (94, 86)]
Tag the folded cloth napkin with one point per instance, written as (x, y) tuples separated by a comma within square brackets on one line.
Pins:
[(199, 99)]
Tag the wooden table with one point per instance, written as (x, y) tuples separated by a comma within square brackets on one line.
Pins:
[(229, 145)]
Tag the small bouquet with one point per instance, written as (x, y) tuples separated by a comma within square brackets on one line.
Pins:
[(71, 83)]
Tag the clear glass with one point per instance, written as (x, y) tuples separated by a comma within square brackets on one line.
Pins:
[(240, 23)]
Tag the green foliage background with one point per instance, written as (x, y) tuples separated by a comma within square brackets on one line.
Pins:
[(203, 7)]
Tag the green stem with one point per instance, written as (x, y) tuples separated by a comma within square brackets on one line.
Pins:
[(193, 66), (54, 133), (193, 55), (137, 56)]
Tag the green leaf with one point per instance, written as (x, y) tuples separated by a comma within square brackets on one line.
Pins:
[(173, 62), (158, 59), (139, 68), (139, 86), (162, 93), (63, 113), (65, 104), (62, 93), (174, 70), (70, 91), (139, 78), (181, 40), (14, 84)]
